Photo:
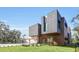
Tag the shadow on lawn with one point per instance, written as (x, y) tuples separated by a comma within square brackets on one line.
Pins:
[(76, 49), (68, 46)]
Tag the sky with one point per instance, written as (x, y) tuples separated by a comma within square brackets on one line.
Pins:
[(20, 18)]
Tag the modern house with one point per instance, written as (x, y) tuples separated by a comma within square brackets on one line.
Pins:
[(52, 30)]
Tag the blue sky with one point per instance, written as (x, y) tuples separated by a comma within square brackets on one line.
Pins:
[(21, 18)]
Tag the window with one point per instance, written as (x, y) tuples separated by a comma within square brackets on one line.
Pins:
[(46, 26), (44, 23), (59, 25), (65, 24), (68, 35)]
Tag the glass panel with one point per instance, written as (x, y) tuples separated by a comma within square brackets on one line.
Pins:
[(44, 23)]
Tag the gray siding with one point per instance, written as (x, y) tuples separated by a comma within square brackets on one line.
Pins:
[(51, 23), (35, 30)]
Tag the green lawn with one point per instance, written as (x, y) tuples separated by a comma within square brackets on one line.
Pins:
[(44, 48)]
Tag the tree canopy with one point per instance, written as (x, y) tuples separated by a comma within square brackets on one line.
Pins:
[(7, 35)]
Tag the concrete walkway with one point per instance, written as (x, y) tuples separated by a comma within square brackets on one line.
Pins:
[(9, 45)]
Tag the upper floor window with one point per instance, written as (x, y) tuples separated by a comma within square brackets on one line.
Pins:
[(59, 25), (44, 23), (65, 24)]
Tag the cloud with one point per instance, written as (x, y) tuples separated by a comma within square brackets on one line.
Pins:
[(3, 20), (22, 29)]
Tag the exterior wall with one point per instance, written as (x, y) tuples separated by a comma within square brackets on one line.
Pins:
[(55, 39), (43, 39), (59, 23), (59, 40), (35, 38), (52, 39), (54, 32), (69, 32), (69, 35), (65, 30), (35, 30), (51, 23), (42, 24)]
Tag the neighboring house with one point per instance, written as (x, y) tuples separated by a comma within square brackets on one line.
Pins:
[(53, 29)]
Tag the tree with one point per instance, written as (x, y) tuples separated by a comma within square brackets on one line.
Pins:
[(4, 31), (15, 35), (7, 35), (75, 20)]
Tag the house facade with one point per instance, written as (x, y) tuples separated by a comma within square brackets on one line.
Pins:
[(52, 30)]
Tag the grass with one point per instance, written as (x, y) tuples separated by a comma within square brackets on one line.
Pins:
[(43, 48)]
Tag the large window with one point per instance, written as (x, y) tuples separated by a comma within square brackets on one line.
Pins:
[(59, 25), (68, 35), (65, 24), (44, 23), (46, 27)]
